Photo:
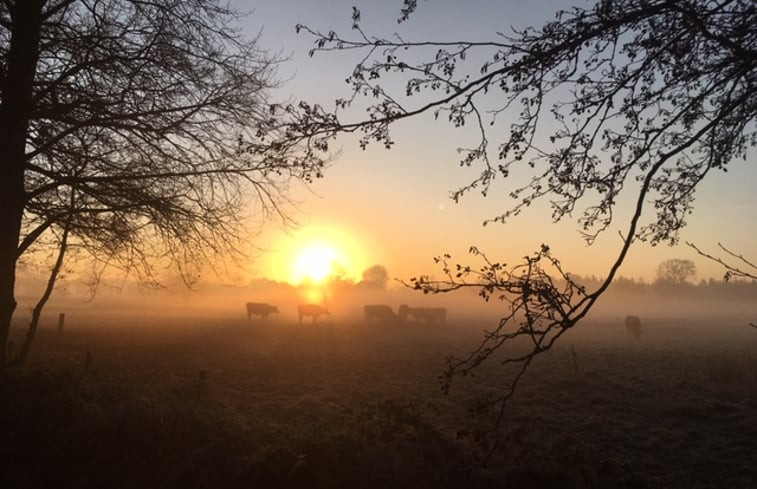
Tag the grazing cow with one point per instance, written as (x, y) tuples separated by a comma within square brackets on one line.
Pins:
[(428, 314), (313, 310), (260, 309), (378, 311), (633, 326), (403, 312)]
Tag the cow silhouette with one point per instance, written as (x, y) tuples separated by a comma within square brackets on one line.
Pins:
[(260, 309), (380, 312), (427, 314), (633, 326), (313, 310)]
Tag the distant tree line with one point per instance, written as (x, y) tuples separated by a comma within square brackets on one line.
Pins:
[(710, 289)]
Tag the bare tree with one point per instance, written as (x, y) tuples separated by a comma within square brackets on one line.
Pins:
[(676, 271), (737, 266), (648, 97), (131, 134)]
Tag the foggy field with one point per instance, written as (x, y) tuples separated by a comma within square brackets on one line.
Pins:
[(231, 403)]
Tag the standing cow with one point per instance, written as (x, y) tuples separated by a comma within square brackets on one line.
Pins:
[(313, 310), (380, 312), (260, 309), (428, 314), (633, 326)]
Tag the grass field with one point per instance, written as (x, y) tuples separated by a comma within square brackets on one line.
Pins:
[(228, 403)]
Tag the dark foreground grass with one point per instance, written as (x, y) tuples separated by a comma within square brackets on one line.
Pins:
[(232, 405), (104, 433)]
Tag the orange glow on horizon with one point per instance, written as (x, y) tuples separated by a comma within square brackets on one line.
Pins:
[(313, 295), (316, 253)]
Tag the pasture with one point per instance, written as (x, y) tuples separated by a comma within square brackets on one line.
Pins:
[(228, 403)]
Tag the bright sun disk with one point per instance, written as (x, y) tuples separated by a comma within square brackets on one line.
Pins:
[(315, 262)]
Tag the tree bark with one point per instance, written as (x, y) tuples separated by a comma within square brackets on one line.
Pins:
[(15, 111)]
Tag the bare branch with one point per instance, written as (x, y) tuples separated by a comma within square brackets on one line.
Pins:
[(732, 271), (648, 98), (155, 115)]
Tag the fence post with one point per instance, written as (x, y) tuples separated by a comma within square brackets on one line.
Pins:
[(61, 321)]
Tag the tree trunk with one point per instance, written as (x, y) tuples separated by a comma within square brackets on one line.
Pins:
[(15, 112), (32, 331)]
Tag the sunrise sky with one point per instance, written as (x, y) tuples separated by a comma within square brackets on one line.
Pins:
[(393, 207)]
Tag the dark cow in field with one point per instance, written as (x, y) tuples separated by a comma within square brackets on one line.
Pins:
[(313, 310), (428, 314), (260, 309), (633, 326), (380, 312)]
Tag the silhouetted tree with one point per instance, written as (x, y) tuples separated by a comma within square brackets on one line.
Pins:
[(647, 97), (676, 271), (130, 136), (742, 269), (337, 278), (375, 277)]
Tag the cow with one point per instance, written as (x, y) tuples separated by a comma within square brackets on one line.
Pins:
[(428, 314), (633, 326), (378, 311), (313, 310), (260, 309), (403, 312)]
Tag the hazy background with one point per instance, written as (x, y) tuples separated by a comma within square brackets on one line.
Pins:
[(392, 208), (175, 387), (395, 204)]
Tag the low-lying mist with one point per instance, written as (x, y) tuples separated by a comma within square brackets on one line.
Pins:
[(138, 307)]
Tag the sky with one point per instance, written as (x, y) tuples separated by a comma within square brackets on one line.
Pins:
[(393, 207)]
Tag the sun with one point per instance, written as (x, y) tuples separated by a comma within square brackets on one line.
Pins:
[(315, 253), (315, 262)]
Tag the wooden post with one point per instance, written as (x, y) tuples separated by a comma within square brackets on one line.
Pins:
[(61, 320)]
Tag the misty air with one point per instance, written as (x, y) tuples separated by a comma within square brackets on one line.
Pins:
[(289, 244)]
